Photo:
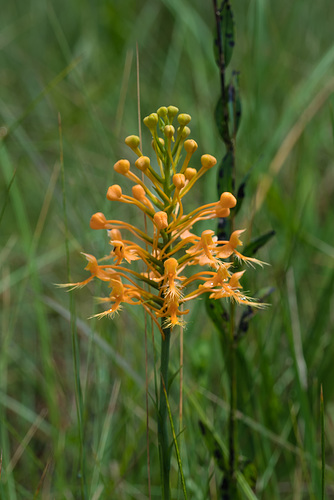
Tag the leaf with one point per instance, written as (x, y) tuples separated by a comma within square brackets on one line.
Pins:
[(227, 31), (234, 103), (250, 474), (222, 120), (225, 180), (213, 446), (220, 319), (217, 313), (257, 243)]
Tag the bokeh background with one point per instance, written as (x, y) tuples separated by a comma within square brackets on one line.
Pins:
[(77, 61)]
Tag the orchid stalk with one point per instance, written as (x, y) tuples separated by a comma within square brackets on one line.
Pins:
[(180, 266)]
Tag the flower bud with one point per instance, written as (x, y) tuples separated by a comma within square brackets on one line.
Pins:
[(132, 141), (171, 266), (138, 192), (160, 220), (143, 163), (185, 132), (162, 112), (227, 200), (172, 112), (115, 234), (169, 131), (208, 161), (98, 221), (190, 173), (221, 213), (179, 181), (151, 121), (114, 192), (183, 119), (190, 146), (161, 142), (122, 167)]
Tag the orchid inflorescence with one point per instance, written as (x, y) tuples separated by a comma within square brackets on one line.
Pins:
[(166, 284)]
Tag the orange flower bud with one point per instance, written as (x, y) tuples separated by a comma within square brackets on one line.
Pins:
[(183, 119), (227, 200), (115, 234), (171, 266), (208, 161), (160, 220), (138, 192), (132, 141), (143, 163), (222, 212), (179, 181), (122, 167), (98, 221), (114, 192), (190, 173), (190, 146)]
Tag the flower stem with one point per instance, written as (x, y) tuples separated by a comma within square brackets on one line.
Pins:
[(164, 448), (233, 406)]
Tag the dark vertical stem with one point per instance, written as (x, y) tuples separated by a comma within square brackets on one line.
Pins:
[(221, 64), (164, 448)]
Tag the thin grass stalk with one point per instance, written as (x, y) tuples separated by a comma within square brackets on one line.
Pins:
[(75, 350), (323, 465)]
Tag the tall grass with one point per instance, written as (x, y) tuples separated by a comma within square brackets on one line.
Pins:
[(79, 61)]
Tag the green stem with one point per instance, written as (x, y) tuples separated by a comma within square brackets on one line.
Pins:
[(164, 448), (233, 407)]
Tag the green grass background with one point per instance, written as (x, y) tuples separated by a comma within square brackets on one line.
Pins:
[(78, 59)]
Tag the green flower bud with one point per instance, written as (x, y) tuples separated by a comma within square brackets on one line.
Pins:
[(172, 112), (183, 119), (162, 112), (169, 131), (151, 121), (132, 141)]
